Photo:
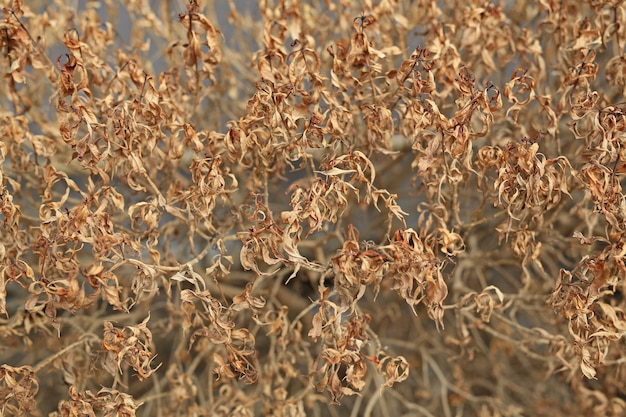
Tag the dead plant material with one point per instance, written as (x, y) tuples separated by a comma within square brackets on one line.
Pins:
[(365, 207)]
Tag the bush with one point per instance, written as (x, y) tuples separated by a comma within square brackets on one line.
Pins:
[(313, 208)]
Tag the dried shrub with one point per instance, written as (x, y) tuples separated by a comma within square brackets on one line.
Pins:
[(312, 208)]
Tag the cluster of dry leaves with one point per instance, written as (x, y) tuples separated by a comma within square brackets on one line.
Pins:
[(367, 207)]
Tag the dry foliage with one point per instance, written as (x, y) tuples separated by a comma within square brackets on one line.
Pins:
[(374, 207)]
